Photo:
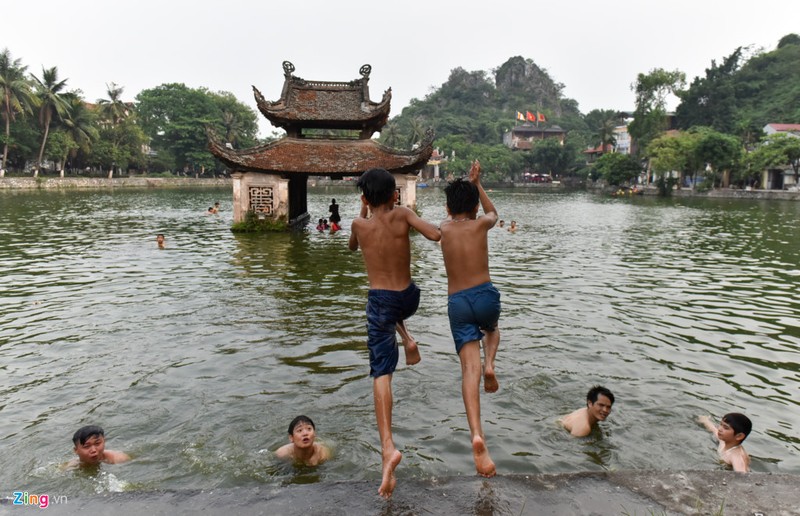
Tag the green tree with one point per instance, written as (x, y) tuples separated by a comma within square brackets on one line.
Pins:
[(120, 146), (674, 152), (52, 103), (711, 101), (649, 118), (617, 169), (720, 152), (113, 110), (17, 96), (80, 128), (777, 150)]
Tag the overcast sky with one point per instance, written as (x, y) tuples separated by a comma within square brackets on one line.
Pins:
[(594, 48)]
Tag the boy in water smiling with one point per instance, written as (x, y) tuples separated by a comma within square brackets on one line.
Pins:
[(90, 446), (473, 304), (302, 447), (732, 431), (393, 297)]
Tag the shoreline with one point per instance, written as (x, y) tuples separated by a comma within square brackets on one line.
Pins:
[(99, 183)]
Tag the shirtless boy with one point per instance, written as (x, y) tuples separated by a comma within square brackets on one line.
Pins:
[(90, 446), (598, 406), (302, 447), (473, 304), (732, 431), (393, 297)]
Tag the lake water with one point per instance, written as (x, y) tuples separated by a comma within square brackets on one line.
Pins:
[(195, 358)]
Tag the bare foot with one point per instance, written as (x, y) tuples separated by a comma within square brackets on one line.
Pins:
[(412, 352), (483, 463), (389, 480), (490, 380)]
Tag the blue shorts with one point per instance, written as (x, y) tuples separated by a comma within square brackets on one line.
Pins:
[(472, 310), (386, 308)]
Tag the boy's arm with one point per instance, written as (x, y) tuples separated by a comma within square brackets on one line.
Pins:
[(353, 242), (708, 424), (427, 229), (489, 211), (116, 457)]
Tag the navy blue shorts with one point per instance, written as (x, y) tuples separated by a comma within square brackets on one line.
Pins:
[(472, 310), (386, 308)]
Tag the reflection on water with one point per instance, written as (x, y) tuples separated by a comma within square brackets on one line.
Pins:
[(195, 357)]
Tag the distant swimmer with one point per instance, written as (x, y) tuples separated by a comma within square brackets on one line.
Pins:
[(302, 447), (598, 406), (160, 240)]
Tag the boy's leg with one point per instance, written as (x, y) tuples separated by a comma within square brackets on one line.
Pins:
[(409, 344), (470, 356), (491, 341), (382, 393)]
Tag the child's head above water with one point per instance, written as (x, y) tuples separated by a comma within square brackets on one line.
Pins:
[(85, 433), (740, 423), (300, 420)]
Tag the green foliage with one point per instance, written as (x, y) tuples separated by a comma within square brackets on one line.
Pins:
[(740, 96), (617, 169), (470, 113), (649, 118), (16, 95), (777, 150), (252, 224), (175, 116)]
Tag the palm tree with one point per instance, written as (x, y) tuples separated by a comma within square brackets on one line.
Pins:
[(605, 133), (17, 96), (51, 102), (391, 135), (113, 110), (232, 127), (81, 126), (417, 131)]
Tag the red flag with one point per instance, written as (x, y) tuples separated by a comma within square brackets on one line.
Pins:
[(541, 117), (530, 117), (520, 116)]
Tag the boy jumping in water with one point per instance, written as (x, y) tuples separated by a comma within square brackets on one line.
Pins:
[(473, 304), (392, 298)]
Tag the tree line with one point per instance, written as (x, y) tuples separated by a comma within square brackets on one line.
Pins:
[(50, 127)]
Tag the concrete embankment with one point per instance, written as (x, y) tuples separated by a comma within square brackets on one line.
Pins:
[(614, 493), (90, 183)]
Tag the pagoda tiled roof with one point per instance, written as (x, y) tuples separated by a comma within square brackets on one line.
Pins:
[(325, 104), (322, 156)]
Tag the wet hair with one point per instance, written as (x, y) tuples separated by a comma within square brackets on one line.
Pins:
[(333, 201), (160, 235), (210, 208), (300, 419), (85, 433), (377, 185), (740, 423), (462, 196), (596, 391)]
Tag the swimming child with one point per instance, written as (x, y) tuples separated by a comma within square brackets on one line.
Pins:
[(392, 298), (160, 240), (89, 445), (513, 227), (473, 304), (302, 447), (598, 406), (732, 431)]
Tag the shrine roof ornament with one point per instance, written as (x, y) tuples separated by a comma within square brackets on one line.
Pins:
[(325, 104)]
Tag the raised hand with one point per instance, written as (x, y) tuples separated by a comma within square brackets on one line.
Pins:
[(475, 172)]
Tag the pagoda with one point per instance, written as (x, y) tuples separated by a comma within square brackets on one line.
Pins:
[(329, 128)]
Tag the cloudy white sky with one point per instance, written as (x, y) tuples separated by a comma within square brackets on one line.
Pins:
[(595, 49)]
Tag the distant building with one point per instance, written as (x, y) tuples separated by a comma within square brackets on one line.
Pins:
[(524, 137), (790, 129)]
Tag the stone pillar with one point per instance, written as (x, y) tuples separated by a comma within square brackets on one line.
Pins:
[(265, 194), (407, 186)]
